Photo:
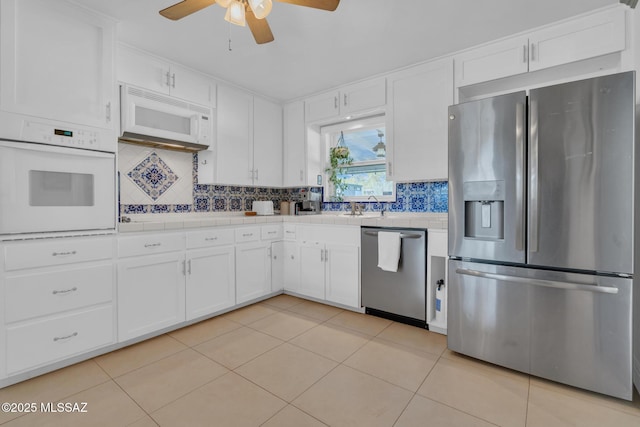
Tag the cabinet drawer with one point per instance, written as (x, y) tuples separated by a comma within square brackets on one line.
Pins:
[(59, 337), (247, 234), (271, 232), (56, 252), (150, 244), (207, 238), (289, 232), (49, 292)]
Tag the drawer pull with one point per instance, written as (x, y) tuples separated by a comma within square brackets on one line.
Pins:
[(247, 235), (68, 337), (152, 245), (210, 239), (271, 232), (290, 232), (63, 253), (65, 291)]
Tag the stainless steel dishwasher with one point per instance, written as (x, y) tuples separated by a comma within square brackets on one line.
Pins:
[(399, 296)]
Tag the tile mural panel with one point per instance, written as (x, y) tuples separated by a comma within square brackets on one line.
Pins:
[(410, 197)]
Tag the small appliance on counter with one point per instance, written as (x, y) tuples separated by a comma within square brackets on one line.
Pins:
[(262, 207), (310, 204)]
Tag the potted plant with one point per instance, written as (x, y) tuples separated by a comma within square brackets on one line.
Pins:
[(339, 158)]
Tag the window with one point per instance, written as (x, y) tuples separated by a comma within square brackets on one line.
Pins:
[(366, 176)]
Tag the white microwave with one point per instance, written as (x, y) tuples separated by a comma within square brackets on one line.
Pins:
[(157, 119)]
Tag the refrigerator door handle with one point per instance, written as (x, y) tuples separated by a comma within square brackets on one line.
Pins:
[(520, 181), (533, 171), (539, 282)]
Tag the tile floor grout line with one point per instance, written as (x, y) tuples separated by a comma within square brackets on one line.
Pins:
[(526, 410), (133, 400), (387, 340), (404, 409)]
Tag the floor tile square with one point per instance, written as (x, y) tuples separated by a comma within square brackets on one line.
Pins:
[(421, 409), (283, 301), (237, 347), (399, 365), (499, 399), (364, 323), (284, 325), (228, 401), (316, 310), (286, 371), (331, 341), (204, 331), (53, 386), (349, 398), (127, 359), (251, 313), (292, 417), (164, 381), (414, 337)]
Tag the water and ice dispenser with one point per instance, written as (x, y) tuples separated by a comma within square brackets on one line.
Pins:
[(484, 210)]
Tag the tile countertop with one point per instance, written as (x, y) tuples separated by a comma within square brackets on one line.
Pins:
[(157, 222)]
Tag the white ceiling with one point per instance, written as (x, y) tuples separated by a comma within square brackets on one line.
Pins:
[(316, 50)]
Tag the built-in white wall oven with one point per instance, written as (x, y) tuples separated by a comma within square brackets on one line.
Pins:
[(52, 188)]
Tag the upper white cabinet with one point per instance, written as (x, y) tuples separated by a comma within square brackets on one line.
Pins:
[(57, 62), (267, 143), (249, 142), (150, 72), (294, 159), (417, 123), (582, 38), (358, 98)]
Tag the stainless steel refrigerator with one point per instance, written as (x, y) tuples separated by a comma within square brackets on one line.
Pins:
[(542, 189)]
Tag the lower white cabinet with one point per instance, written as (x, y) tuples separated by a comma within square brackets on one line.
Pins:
[(211, 281), (342, 274), (151, 293), (291, 266), (253, 271), (312, 268)]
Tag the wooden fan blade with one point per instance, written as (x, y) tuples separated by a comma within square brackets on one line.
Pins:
[(259, 28), (185, 8), (329, 5)]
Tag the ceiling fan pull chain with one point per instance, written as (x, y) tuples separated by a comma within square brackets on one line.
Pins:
[(229, 29)]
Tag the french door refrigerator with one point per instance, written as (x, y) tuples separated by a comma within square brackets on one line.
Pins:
[(541, 232)]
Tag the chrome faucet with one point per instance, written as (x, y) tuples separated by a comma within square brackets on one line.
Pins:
[(377, 201)]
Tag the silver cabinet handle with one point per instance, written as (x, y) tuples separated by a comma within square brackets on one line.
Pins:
[(272, 232), (189, 267), (539, 282), (173, 80), (210, 239), (345, 99), (293, 257), (335, 102), (184, 268), (524, 53), (64, 253), (108, 112), (247, 235), (533, 51), (64, 291), (534, 178), (389, 169), (321, 255), (269, 252), (168, 78), (56, 339), (520, 181), (152, 245), (275, 257)]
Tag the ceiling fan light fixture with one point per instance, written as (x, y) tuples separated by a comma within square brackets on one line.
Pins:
[(261, 8), (235, 13), (223, 3)]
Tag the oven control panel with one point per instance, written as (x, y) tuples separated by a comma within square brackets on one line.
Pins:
[(65, 136)]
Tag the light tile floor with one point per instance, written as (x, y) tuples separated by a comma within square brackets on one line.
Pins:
[(289, 362)]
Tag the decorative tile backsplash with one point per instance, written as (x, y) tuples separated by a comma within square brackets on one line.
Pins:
[(153, 181)]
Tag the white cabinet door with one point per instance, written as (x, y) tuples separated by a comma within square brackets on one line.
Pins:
[(143, 70), (582, 38), (291, 258), (361, 97), (496, 60), (253, 271), (294, 145), (234, 157), (151, 294), (322, 107), (343, 275), (417, 122), (57, 62), (190, 86), (278, 271), (312, 269), (267, 143), (211, 281)]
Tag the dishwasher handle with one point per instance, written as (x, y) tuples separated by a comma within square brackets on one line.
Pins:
[(402, 235)]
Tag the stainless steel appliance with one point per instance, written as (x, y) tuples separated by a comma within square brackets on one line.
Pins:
[(541, 226), (400, 295), (154, 119), (310, 205)]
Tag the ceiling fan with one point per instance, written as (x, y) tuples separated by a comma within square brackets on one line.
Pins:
[(239, 12)]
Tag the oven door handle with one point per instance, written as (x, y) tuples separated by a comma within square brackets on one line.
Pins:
[(539, 282), (402, 235)]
